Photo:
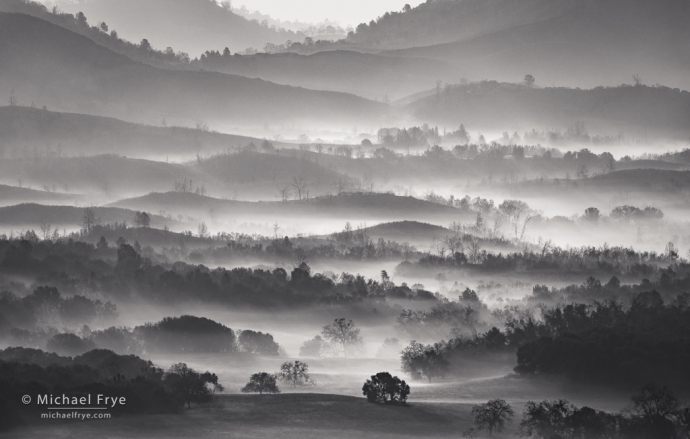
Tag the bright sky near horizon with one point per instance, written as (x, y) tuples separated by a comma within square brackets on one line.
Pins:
[(345, 12)]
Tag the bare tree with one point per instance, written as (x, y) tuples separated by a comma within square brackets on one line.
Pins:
[(518, 213), (202, 229), (89, 220), (300, 186), (285, 192), (45, 230)]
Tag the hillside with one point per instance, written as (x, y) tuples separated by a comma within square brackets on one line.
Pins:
[(452, 20), (104, 175), (511, 107), (251, 168), (48, 65), (13, 194), (582, 43), (369, 75), (642, 180), (31, 216), (350, 206), (26, 128), (178, 24), (410, 231)]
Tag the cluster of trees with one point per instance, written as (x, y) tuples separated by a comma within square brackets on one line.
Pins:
[(654, 413), (605, 260), (406, 137), (291, 373), (46, 306), (606, 343), (74, 266), (185, 334), (341, 337), (467, 314), (609, 343), (147, 389)]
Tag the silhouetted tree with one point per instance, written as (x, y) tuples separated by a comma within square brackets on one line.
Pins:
[(262, 382), (492, 416), (384, 388)]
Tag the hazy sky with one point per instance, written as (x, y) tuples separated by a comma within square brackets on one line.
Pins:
[(346, 12)]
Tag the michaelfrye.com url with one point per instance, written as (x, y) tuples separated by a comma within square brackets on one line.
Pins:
[(81, 416)]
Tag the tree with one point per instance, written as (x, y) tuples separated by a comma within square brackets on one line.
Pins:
[(81, 18), (313, 348), (518, 213), (13, 101), (295, 374), (142, 219), (202, 229), (227, 5), (145, 45), (493, 415), (546, 419), (89, 220), (300, 186), (258, 343), (529, 81), (655, 405), (261, 382), (384, 388), (188, 385), (421, 361), (344, 333), (592, 215)]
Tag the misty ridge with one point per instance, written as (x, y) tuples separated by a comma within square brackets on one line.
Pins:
[(460, 218)]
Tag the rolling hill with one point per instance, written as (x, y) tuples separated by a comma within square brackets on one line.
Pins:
[(582, 43), (12, 195), (26, 128), (501, 106), (179, 24), (31, 216), (104, 175), (49, 65), (345, 207), (364, 74)]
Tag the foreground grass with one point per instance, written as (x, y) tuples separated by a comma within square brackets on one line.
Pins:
[(271, 416), (437, 410)]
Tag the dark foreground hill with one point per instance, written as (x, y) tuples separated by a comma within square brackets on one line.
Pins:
[(49, 65)]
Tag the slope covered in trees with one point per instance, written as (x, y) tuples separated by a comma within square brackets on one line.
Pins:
[(48, 65), (177, 24)]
